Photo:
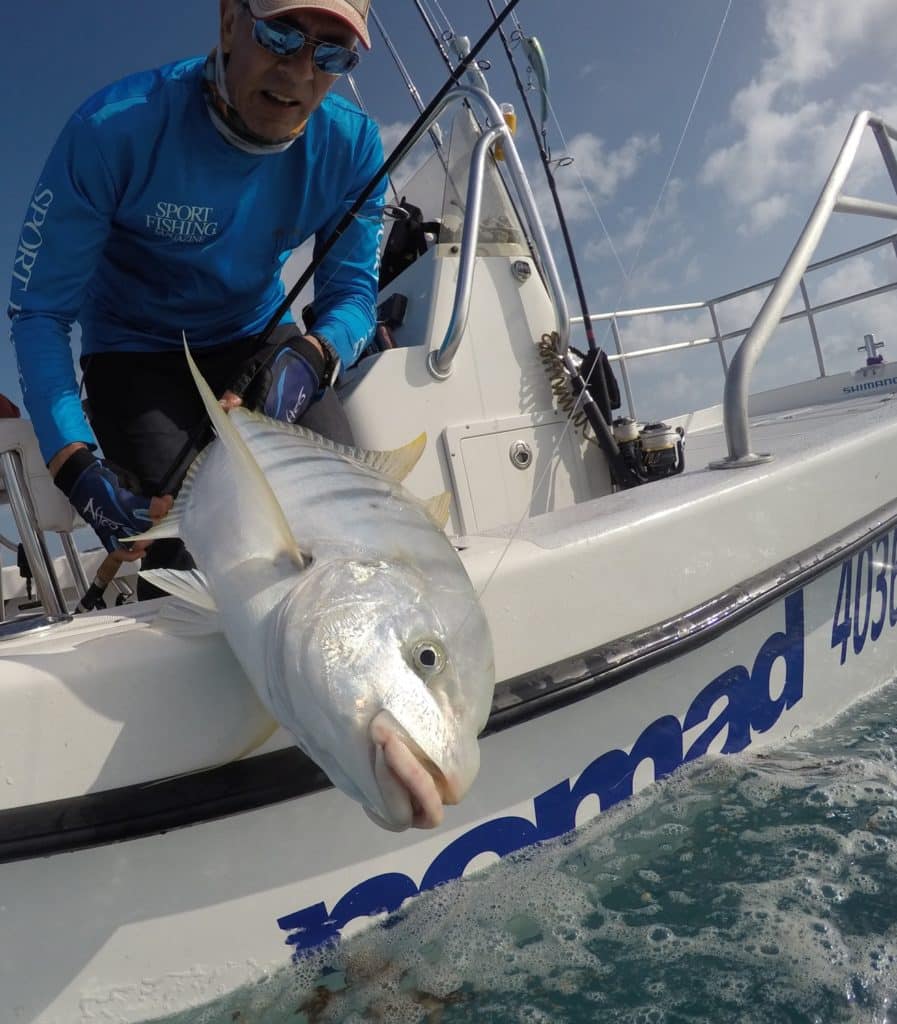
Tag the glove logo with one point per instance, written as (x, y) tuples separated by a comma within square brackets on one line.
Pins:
[(98, 517), (297, 408)]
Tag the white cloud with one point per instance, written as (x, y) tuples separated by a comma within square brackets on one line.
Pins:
[(812, 37), (764, 213), (595, 174), (792, 117), (637, 227), (391, 135)]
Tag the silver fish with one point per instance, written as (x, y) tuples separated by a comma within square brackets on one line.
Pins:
[(346, 605)]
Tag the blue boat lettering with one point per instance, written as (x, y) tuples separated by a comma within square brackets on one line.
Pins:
[(866, 596), (869, 385), (749, 708)]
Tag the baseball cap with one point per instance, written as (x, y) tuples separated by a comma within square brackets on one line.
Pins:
[(353, 12)]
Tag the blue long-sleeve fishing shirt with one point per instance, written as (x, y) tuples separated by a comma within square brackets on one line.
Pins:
[(145, 223)]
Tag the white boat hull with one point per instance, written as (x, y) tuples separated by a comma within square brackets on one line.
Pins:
[(137, 929)]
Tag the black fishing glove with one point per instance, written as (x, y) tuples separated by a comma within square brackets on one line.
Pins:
[(284, 383), (95, 492)]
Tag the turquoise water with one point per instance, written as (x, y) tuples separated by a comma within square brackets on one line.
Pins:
[(760, 888)]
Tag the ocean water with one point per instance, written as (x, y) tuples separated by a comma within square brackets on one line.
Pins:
[(756, 888)]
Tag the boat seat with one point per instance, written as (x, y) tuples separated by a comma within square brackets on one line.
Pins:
[(52, 510)]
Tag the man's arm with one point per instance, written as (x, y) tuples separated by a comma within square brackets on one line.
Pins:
[(66, 226), (346, 283)]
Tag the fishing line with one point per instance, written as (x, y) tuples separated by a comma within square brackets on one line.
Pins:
[(576, 408), (438, 37), (359, 99), (433, 131), (685, 128), (445, 18), (597, 416), (627, 277)]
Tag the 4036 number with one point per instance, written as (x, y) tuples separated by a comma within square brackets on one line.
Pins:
[(866, 596)]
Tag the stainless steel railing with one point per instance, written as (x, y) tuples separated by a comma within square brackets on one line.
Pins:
[(20, 503), (738, 378), (440, 361), (783, 289), (715, 308)]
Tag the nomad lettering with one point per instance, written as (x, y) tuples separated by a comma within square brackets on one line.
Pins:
[(32, 237), (183, 223), (750, 708)]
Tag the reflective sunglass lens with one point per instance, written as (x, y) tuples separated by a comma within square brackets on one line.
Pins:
[(284, 40), (279, 39), (335, 60)]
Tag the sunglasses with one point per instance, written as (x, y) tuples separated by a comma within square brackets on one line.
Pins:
[(283, 39)]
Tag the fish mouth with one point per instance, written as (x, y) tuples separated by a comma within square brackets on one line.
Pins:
[(413, 788)]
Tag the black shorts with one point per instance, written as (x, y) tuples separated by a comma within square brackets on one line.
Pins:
[(150, 421)]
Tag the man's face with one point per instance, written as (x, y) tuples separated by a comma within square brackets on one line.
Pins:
[(276, 95)]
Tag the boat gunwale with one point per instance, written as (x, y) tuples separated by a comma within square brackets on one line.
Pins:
[(96, 819)]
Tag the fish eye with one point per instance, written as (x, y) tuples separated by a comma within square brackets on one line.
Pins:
[(428, 657)]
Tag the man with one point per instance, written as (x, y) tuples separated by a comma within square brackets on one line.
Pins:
[(168, 206)]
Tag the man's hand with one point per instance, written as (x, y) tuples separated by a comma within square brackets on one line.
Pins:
[(292, 381), (112, 510), (158, 510)]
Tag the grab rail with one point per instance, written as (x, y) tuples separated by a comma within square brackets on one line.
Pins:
[(48, 590), (440, 361), (738, 377), (713, 307)]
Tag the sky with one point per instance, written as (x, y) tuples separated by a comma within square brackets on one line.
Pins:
[(687, 181)]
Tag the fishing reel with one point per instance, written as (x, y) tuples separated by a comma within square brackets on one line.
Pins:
[(653, 451)]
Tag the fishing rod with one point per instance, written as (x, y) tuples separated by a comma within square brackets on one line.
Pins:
[(545, 157), (436, 37), (598, 416), (388, 166), (434, 131), (178, 468)]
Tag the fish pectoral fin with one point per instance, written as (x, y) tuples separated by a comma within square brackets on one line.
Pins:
[(170, 526), (438, 508)]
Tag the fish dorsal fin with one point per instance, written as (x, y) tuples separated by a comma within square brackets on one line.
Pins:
[(266, 508), (438, 508), (395, 465)]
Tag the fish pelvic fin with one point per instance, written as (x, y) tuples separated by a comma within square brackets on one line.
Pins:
[(266, 505), (438, 508), (193, 611), (190, 586)]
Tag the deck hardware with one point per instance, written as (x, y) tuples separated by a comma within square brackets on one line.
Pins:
[(521, 455), (521, 270)]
